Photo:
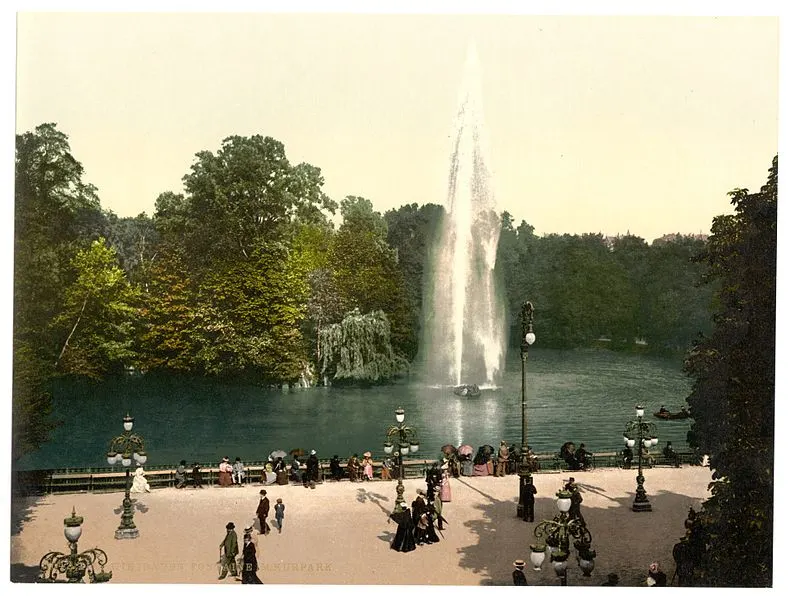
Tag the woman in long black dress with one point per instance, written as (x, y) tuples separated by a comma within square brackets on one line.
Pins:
[(404, 539), (249, 562), (431, 533)]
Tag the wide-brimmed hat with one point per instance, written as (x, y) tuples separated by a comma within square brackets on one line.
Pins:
[(312, 452), (230, 525), (225, 459), (367, 454), (654, 567), (421, 492), (520, 563)]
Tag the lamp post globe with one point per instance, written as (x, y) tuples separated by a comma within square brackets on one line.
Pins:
[(74, 566), (555, 536)]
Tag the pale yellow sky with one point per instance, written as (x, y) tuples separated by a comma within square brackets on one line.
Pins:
[(596, 124)]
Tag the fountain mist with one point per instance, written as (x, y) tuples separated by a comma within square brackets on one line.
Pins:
[(464, 317)]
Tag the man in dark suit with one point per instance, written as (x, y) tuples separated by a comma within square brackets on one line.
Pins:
[(519, 574), (263, 512)]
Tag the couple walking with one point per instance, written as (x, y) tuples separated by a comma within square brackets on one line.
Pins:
[(229, 549), (262, 512)]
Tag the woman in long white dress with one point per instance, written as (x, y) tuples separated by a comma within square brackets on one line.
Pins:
[(444, 488), (139, 482)]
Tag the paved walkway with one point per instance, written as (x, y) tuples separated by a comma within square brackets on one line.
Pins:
[(338, 533)]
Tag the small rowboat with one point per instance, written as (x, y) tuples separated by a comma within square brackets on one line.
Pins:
[(467, 391), (672, 416)]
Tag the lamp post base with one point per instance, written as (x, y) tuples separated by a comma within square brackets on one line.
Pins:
[(641, 506), (127, 533)]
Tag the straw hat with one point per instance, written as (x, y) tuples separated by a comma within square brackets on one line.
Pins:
[(367, 454), (520, 563), (312, 452)]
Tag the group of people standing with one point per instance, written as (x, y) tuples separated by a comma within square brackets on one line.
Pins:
[(420, 525)]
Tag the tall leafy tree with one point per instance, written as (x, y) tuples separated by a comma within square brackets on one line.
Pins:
[(97, 322), (167, 311), (366, 270), (733, 394), (55, 214), (245, 194)]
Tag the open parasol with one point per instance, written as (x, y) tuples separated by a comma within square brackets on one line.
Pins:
[(448, 449), (465, 450), (278, 453)]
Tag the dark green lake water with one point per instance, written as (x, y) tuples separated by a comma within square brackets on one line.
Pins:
[(580, 396)]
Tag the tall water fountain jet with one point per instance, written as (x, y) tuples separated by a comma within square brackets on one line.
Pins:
[(464, 328)]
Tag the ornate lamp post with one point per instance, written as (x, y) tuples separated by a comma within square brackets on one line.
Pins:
[(645, 434), (528, 338), (73, 565), (124, 448), (406, 437), (555, 534)]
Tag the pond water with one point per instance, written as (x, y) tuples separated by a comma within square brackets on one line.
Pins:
[(580, 396)]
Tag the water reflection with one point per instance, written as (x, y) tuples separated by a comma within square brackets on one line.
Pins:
[(572, 396)]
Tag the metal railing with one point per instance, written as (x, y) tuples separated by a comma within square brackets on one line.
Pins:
[(98, 480)]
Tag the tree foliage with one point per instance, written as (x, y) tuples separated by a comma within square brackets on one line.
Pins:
[(245, 193), (358, 349), (56, 214), (366, 270), (96, 324), (590, 287), (733, 393)]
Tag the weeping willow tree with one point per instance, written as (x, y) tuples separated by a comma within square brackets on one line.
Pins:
[(358, 349)]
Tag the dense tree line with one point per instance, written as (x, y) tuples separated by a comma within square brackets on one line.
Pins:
[(588, 287), (244, 276)]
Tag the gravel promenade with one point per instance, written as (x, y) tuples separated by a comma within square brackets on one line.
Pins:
[(338, 533)]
